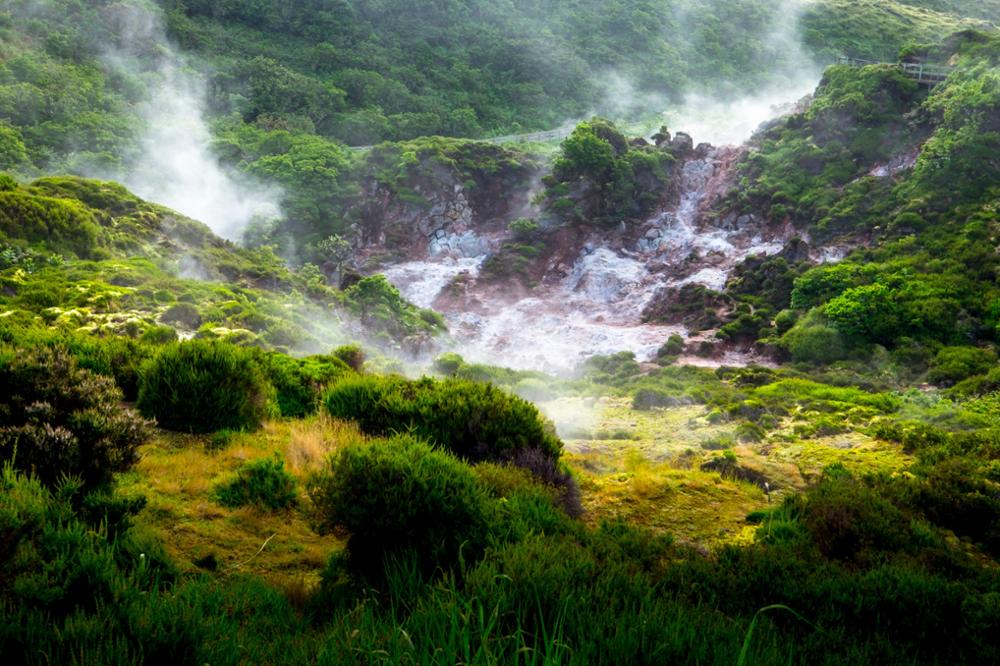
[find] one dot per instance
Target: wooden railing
(928, 74)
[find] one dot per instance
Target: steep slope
(878, 29)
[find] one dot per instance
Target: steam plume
(175, 165)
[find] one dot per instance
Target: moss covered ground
(180, 474)
(644, 467)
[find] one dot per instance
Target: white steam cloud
(727, 119)
(175, 166)
(731, 121)
(724, 122)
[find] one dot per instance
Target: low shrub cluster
(299, 382)
(262, 483)
(402, 497)
(202, 386)
(648, 398)
(58, 419)
(473, 420)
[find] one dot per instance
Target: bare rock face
(682, 144)
(440, 210)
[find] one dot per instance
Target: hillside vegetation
(209, 452)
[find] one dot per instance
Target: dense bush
(813, 341)
(203, 386)
(953, 364)
(352, 355)
(448, 364)
(263, 483)
(113, 356)
(600, 177)
(674, 346)
(648, 398)
(65, 226)
(57, 419)
(848, 520)
(383, 310)
(473, 420)
(402, 497)
(299, 382)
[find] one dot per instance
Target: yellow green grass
(179, 474)
(639, 467)
(650, 475)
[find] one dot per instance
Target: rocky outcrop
(443, 205)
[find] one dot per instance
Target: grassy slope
(877, 29)
(650, 474)
(648, 477)
(179, 474)
(88, 255)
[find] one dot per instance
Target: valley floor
(641, 467)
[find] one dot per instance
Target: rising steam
(175, 165)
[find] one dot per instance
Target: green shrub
(299, 382)
(748, 431)
(7, 183)
(612, 369)
(718, 443)
(113, 356)
(849, 520)
(202, 386)
(185, 314)
(52, 561)
(784, 321)
(978, 385)
(474, 421)
(534, 389)
(263, 483)
(448, 364)
(63, 225)
(57, 419)
(400, 497)
(653, 398)
(811, 341)
(523, 228)
(158, 335)
(674, 346)
(219, 440)
(352, 355)
(953, 364)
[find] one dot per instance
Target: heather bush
(202, 386)
(649, 398)
(263, 483)
(550, 472)
(57, 419)
(848, 520)
(352, 356)
(448, 364)
(401, 496)
(475, 421)
(674, 346)
(954, 364)
(113, 356)
(299, 382)
(812, 341)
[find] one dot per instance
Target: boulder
(682, 143)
